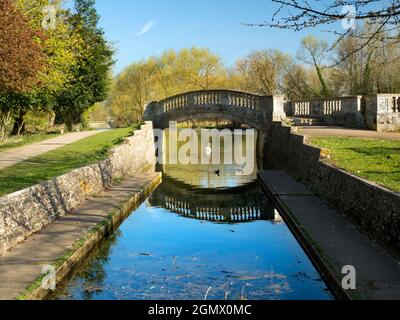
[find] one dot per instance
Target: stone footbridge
(247, 108)
(378, 112)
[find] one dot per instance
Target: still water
(205, 233)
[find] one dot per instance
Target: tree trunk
(19, 124)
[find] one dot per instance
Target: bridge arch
(254, 110)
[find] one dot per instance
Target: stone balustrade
(325, 107)
(211, 97)
(254, 110)
(334, 111)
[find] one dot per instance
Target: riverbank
(376, 160)
(26, 166)
(68, 240)
(333, 242)
(371, 207)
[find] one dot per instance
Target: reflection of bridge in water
(241, 204)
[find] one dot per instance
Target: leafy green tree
(91, 75)
(61, 46)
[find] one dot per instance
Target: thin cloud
(146, 28)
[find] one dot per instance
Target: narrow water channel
(205, 233)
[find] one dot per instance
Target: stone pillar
(190, 100)
(383, 112)
(360, 119)
(273, 108)
(278, 107)
(289, 108)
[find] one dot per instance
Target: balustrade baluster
(398, 104)
(394, 106)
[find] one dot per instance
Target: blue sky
(142, 28)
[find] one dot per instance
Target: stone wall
(28, 211)
(374, 209)
(383, 112)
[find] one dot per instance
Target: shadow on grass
(375, 151)
(380, 172)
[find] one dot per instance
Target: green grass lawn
(60, 161)
(14, 142)
(375, 160)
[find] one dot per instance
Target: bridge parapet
(379, 112)
(334, 111)
(253, 109)
(324, 107)
(213, 97)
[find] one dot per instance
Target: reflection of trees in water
(92, 273)
(209, 175)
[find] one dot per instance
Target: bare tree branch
(298, 15)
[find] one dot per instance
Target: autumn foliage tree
(54, 62)
(21, 59)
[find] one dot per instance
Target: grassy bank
(60, 161)
(15, 142)
(374, 160)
